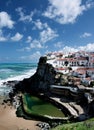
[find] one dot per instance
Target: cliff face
(46, 73)
(40, 81)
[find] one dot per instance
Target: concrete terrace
(74, 109)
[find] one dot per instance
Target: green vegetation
(85, 125)
(35, 106)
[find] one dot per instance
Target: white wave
(18, 77)
(4, 90)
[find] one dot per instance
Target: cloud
(47, 35)
(68, 49)
(2, 38)
(5, 20)
(58, 44)
(23, 17)
(35, 44)
(66, 11)
(29, 39)
(17, 37)
(39, 25)
(89, 4)
(35, 56)
(84, 35)
(89, 48)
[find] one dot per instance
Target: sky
(32, 28)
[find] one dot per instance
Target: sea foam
(19, 77)
(6, 89)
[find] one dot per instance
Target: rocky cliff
(40, 81)
(44, 77)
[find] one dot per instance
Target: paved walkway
(73, 108)
(77, 107)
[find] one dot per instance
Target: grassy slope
(85, 125)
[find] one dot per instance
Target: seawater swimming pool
(38, 107)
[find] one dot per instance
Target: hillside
(85, 125)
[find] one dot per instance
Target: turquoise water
(9, 70)
(15, 71)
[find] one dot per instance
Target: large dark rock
(42, 60)
(40, 81)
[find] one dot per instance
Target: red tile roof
(61, 68)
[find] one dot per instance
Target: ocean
(14, 71)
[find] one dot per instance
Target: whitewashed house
(82, 61)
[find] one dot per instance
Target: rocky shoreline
(76, 104)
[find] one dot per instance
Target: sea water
(14, 71)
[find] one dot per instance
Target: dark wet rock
(44, 126)
(39, 82)
(11, 83)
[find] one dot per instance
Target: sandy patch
(9, 121)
